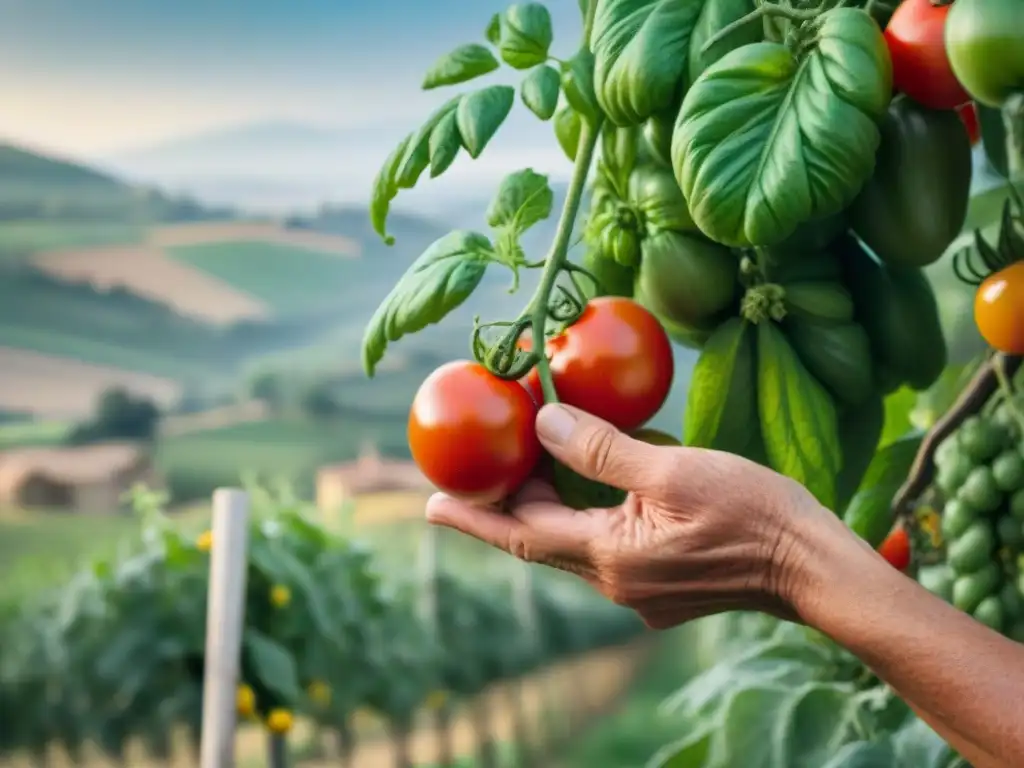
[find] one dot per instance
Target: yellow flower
(204, 543)
(931, 524)
(435, 700)
(245, 701)
(280, 721)
(320, 693)
(280, 596)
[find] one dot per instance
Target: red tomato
(896, 549)
(472, 434)
(920, 67)
(999, 309)
(969, 116)
(614, 362)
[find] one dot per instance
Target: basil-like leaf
(798, 418)
(525, 35)
(493, 31)
(272, 665)
(460, 65)
(440, 280)
(481, 113)
(568, 127)
(766, 140)
(641, 50)
(523, 199)
(578, 84)
(403, 168)
(445, 143)
(540, 91)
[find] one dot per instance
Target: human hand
(700, 532)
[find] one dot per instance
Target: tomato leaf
(766, 140)
(918, 746)
(493, 30)
(817, 720)
(460, 65)
(863, 754)
(440, 280)
(578, 85)
(692, 751)
(860, 429)
(540, 90)
(403, 168)
(708, 399)
(748, 723)
(523, 199)
(480, 114)
(641, 54)
(444, 144)
(568, 126)
(869, 513)
(798, 417)
(272, 664)
(525, 35)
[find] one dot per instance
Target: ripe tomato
(472, 434)
(614, 362)
(920, 66)
(969, 117)
(896, 549)
(999, 309)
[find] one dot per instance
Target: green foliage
(119, 415)
(118, 654)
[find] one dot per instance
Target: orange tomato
(896, 549)
(999, 309)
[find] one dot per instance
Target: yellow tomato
(280, 596)
(245, 701)
(280, 721)
(204, 542)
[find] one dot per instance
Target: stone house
(89, 479)
(338, 484)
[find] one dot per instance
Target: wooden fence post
(224, 621)
(526, 610)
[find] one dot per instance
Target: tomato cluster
(472, 433)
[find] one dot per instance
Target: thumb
(596, 449)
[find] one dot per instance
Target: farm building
(337, 484)
(89, 479)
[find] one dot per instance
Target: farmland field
(288, 449)
(289, 279)
(31, 433)
(146, 271)
(64, 387)
(21, 239)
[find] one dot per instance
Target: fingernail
(555, 424)
(435, 507)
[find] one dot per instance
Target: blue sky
(91, 77)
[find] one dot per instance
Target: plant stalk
(553, 264)
(1013, 119)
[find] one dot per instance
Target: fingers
(597, 450)
(538, 528)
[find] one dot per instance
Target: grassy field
(288, 279)
(198, 462)
(27, 434)
(20, 239)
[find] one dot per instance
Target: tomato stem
(1013, 119)
(999, 367)
(793, 14)
(556, 258)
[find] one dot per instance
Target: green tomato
(1008, 471)
(972, 550)
(980, 492)
(1017, 505)
(956, 518)
(985, 46)
(990, 613)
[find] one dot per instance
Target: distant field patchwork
(61, 388)
(148, 272)
(289, 279)
(21, 239)
(264, 232)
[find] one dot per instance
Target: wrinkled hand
(700, 532)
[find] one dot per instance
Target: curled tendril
(564, 307)
(974, 263)
(503, 357)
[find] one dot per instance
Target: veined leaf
(540, 90)
(481, 113)
(525, 35)
(460, 65)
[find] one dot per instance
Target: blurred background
(186, 268)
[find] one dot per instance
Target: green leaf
(918, 746)
(766, 140)
(578, 85)
(440, 280)
(273, 665)
(708, 400)
(568, 126)
(641, 52)
(493, 31)
(523, 199)
(403, 168)
(863, 754)
(814, 723)
(693, 751)
(869, 513)
(481, 113)
(444, 145)
(898, 408)
(460, 65)
(798, 417)
(747, 725)
(860, 429)
(540, 91)
(525, 35)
